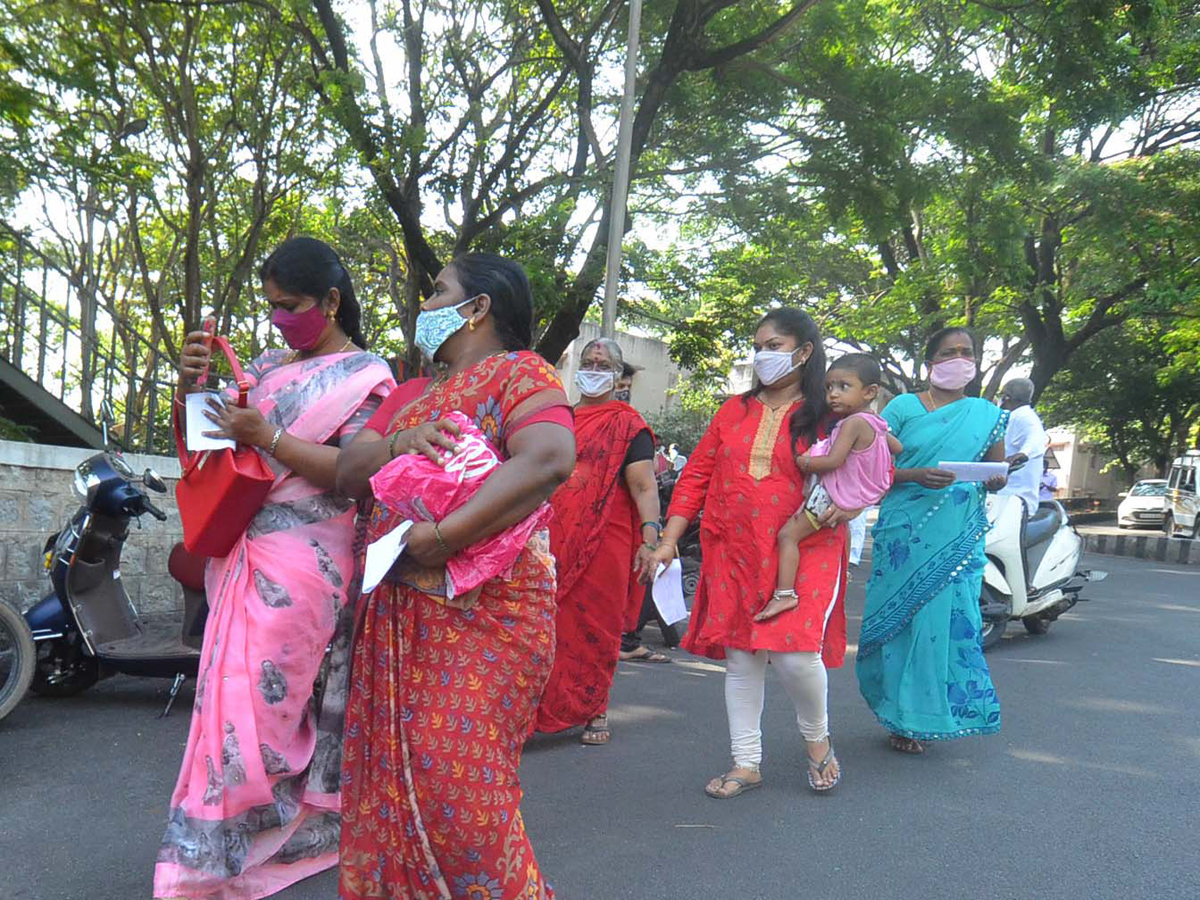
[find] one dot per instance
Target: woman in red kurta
(744, 476)
(604, 530)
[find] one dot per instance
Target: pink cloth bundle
(414, 487)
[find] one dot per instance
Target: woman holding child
(744, 476)
(920, 666)
(444, 690)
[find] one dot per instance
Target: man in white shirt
(1025, 436)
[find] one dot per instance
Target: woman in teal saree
(920, 665)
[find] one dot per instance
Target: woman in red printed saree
(443, 692)
(744, 476)
(604, 530)
(255, 808)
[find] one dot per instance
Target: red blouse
(743, 475)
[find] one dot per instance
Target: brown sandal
(902, 744)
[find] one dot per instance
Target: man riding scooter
(1025, 437)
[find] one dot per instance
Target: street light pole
(620, 190)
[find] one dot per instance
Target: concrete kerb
(1160, 548)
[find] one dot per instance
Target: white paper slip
(668, 592)
(975, 471)
(382, 555)
(197, 423)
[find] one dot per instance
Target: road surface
(1091, 791)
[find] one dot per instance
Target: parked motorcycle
(17, 655)
(87, 628)
(1032, 570)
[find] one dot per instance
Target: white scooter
(1032, 571)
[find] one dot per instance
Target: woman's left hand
(997, 483)
(835, 516)
(643, 564)
(244, 425)
(424, 546)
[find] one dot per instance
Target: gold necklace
(445, 375)
(295, 354)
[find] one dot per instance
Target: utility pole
(620, 190)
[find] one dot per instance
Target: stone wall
(37, 499)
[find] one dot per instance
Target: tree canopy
(1028, 170)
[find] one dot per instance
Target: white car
(1143, 504)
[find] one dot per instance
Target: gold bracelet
(437, 533)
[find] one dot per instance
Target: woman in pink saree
(256, 807)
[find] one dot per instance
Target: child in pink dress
(854, 464)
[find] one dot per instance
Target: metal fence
(78, 350)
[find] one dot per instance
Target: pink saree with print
(256, 806)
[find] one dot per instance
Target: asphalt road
(1091, 790)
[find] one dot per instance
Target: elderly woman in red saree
(744, 476)
(444, 690)
(255, 808)
(604, 531)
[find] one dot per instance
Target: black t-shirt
(641, 449)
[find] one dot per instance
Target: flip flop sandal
(815, 768)
(742, 786)
(902, 744)
(650, 657)
(592, 730)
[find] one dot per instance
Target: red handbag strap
(187, 463)
(238, 376)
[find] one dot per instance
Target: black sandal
(595, 732)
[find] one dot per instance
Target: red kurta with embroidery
(744, 476)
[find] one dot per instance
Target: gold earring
(470, 324)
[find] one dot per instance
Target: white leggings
(804, 678)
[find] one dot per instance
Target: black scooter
(87, 628)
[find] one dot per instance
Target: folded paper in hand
(198, 423)
(382, 555)
(974, 471)
(668, 592)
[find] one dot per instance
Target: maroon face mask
(300, 330)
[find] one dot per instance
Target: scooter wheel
(993, 625)
(1037, 624)
(18, 657)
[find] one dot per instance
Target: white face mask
(772, 365)
(592, 383)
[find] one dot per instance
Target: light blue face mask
(434, 327)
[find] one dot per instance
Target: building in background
(1082, 470)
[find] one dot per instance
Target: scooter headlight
(85, 479)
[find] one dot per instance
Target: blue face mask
(434, 327)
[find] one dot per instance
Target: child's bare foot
(780, 602)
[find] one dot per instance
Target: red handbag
(220, 491)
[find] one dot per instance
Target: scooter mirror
(106, 413)
(154, 481)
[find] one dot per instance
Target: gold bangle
(437, 533)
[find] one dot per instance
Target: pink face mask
(300, 330)
(952, 374)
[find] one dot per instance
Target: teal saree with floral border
(920, 664)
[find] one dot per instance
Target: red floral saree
(441, 698)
